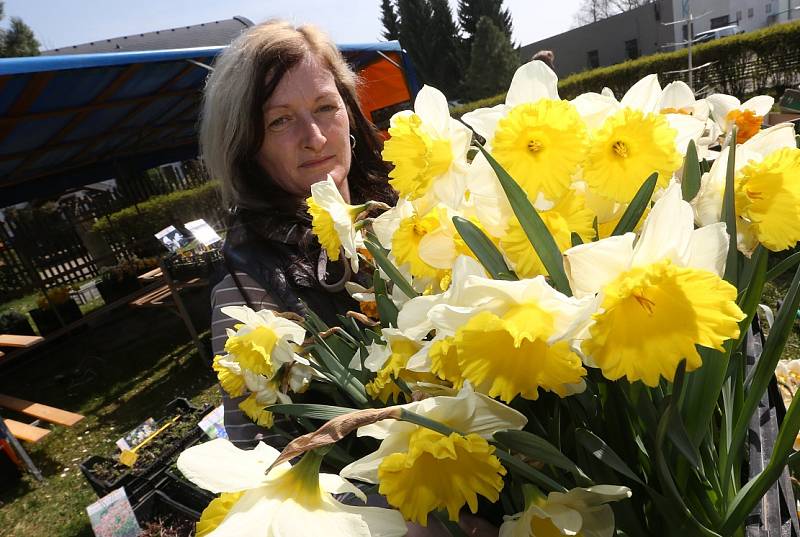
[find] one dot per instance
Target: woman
(281, 113)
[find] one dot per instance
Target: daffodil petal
(219, 466)
(760, 104)
(708, 248)
(484, 120)
(644, 95)
(531, 82)
(592, 265)
(667, 230)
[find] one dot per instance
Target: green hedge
(140, 222)
(761, 61)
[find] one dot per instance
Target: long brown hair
(232, 124)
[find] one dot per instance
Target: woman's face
(307, 131)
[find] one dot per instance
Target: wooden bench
(29, 431)
(162, 296)
(40, 411)
(25, 431)
(13, 340)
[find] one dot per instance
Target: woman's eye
(279, 123)
(328, 108)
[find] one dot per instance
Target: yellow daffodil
(539, 139)
(569, 215)
(390, 364)
(631, 138)
(626, 150)
(428, 149)
(333, 221)
(421, 470)
(767, 187)
(263, 342)
(678, 98)
(464, 466)
(229, 374)
(516, 339)
(747, 116)
(658, 299)
(289, 500)
(580, 512)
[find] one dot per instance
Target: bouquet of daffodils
(556, 334)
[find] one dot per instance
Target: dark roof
(198, 35)
(67, 121)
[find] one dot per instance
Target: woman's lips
(316, 162)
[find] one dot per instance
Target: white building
(646, 30)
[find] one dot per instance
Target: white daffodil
(414, 319)
(288, 500)
(333, 221)
(390, 363)
(581, 511)
(768, 216)
(539, 139)
(264, 341)
(657, 299)
(514, 338)
(631, 139)
(420, 470)
(466, 412)
(428, 149)
(677, 98)
(747, 116)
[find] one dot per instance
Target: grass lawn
(117, 375)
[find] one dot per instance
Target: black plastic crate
(142, 480)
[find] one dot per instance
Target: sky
(59, 23)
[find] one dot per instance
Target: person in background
(546, 56)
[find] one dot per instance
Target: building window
(738, 16)
(768, 7)
(685, 29)
(749, 12)
(593, 59)
(719, 22)
(632, 49)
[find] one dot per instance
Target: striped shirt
(241, 430)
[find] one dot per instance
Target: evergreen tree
(447, 64)
(389, 19)
(471, 11)
(493, 61)
(18, 40)
(415, 19)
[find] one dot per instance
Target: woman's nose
(313, 137)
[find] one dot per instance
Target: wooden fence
(46, 245)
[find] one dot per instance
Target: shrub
(761, 61)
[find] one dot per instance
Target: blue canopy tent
(68, 121)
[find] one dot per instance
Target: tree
(18, 40)
(471, 11)
(591, 11)
(493, 61)
(389, 19)
(447, 64)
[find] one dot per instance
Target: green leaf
(539, 449)
(675, 428)
(339, 374)
(765, 368)
(388, 267)
(317, 412)
(752, 294)
(745, 501)
(387, 310)
(483, 248)
(783, 266)
(540, 237)
(690, 183)
(575, 239)
(729, 213)
(637, 206)
(602, 452)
